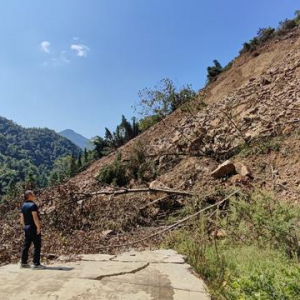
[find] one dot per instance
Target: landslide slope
(252, 117)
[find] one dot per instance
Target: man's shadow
(59, 269)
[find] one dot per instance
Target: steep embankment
(252, 117)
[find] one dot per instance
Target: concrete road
(155, 275)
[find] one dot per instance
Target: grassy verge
(247, 251)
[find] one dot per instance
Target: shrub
(214, 71)
(149, 121)
(114, 174)
(297, 17)
(261, 146)
(138, 166)
(256, 256)
(265, 34)
(163, 99)
(285, 26)
(228, 66)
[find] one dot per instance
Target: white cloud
(45, 45)
(80, 49)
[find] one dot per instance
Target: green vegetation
(137, 167)
(261, 146)
(265, 34)
(27, 156)
(164, 98)
(248, 250)
(114, 174)
(148, 121)
(124, 133)
(214, 71)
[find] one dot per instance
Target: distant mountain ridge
(77, 139)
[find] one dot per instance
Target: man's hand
(36, 222)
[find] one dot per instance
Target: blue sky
(79, 64)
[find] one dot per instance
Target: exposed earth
(155, 275)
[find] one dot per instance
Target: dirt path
(155, 275)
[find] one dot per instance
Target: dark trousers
(31, 237)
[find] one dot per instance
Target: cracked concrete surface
(155, 275)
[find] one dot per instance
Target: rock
(107, 233)
(265, 81)
(236, 179)
(156, 184)
(244, 171)
(221, 233)
(176, 138)
(226, 168)
(51, 256)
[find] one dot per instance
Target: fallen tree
(171, 227)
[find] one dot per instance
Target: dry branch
(141, 190)
(173, 225)
(155, 201)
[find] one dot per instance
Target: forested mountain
(28, 154)
(77, 139)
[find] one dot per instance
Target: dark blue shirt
(27, 209)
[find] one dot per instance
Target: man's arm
(36, 221)
(22, 220)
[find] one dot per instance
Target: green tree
(11, 188)
(297, 16)
(214, 71)
(73, 166)
(265, 34)
(86, 156)
(100, 146)
(135, 127)
(163, 99)
(127, 130)
(31, 181)
(54, 178)
(148, 121)
(79, 161)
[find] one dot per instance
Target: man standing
(32, 228)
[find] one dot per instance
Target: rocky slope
(252, 117)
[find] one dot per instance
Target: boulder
(244, 171)
(107, 233)
(156, 184)
(226, 168)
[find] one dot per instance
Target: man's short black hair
(27, 194)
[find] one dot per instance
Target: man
(32, 228)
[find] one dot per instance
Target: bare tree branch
(173, 225)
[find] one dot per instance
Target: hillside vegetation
(28, 155)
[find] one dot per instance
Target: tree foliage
(214, 71)
(265, 34)
(29, 155)
(124, 132)
(163, 99)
